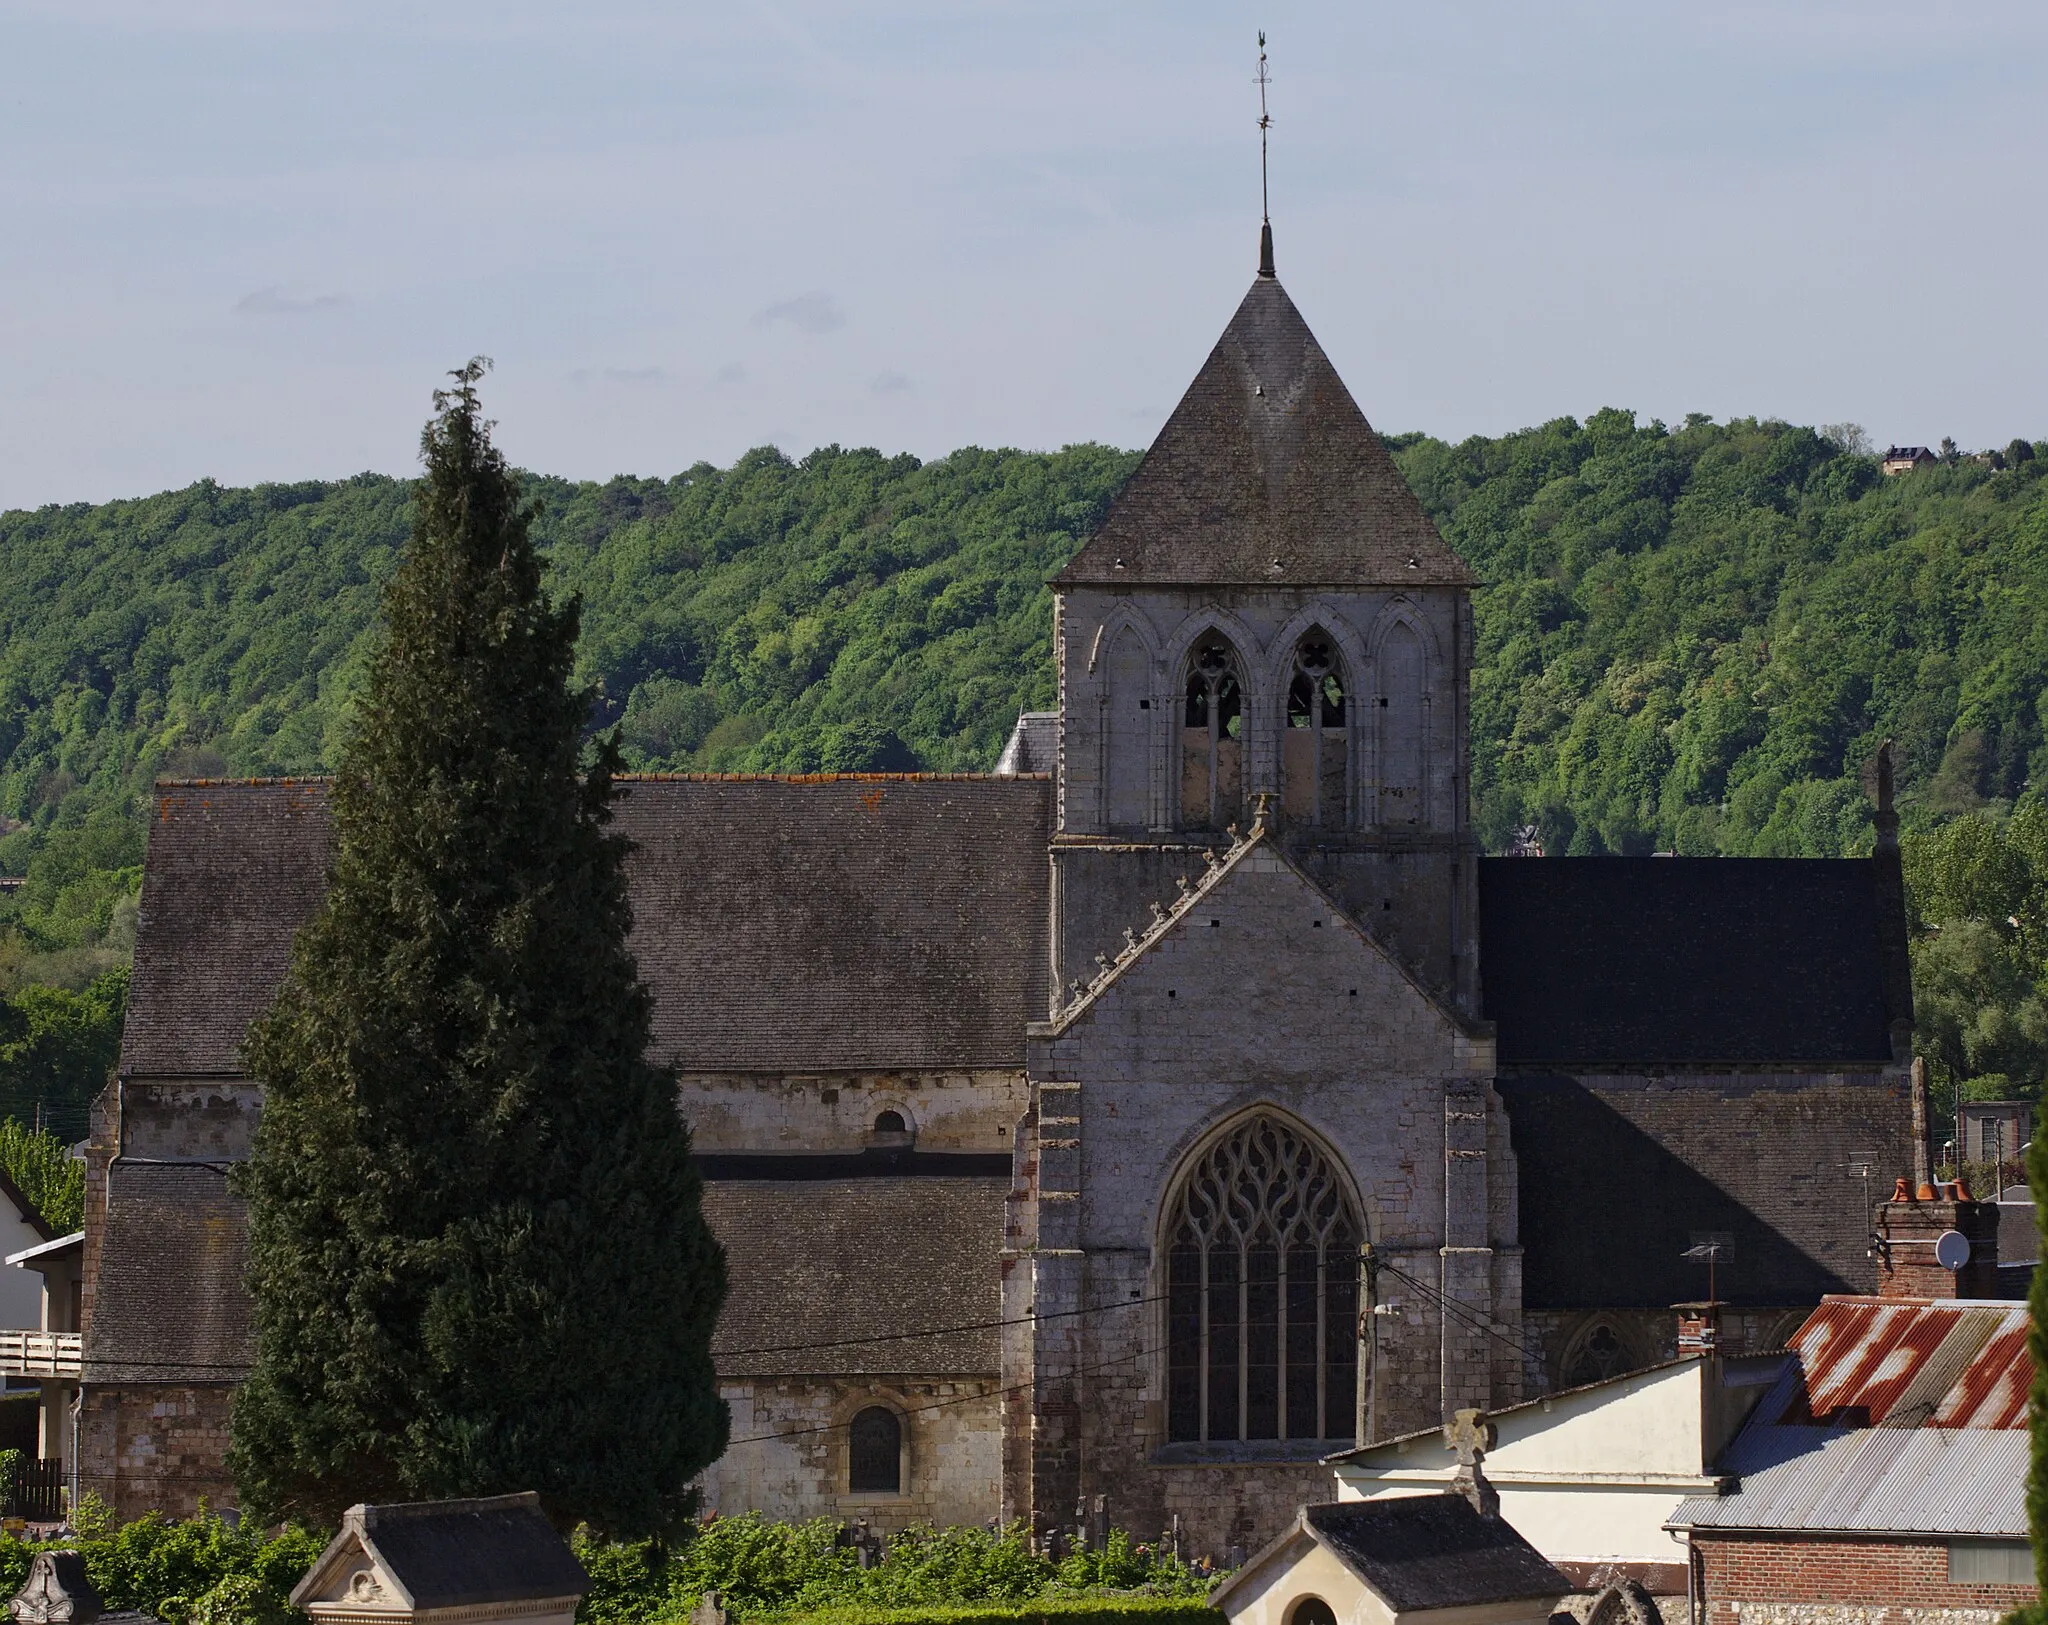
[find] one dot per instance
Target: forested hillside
(1691, 639)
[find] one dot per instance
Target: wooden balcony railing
(40, 1354)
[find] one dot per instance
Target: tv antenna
(1262, 80)
(1710, 1251)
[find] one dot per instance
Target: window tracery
(1315, 747)
(1597, 1354)
(1212, 738)
(1262, 1292)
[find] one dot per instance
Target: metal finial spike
(1265, 200)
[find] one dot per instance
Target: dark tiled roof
(232, 871)
(459, 1554)
(783, 924)
(1434, 1551)
(1641, 961)
(1033, 745)
(1267, 458)
(835, 1261)
(171, 1305)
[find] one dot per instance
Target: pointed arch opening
(1262, 1291)
(1315, 746)
(1212, 735)
(1403, 707)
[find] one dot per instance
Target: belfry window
(1212, 738)
(874, 1453)
(1314, 749)
(1262, 1292)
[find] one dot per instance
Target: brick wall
(151, 1449)
(1823, 1580)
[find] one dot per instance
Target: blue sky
(244, 239)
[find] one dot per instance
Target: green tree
(57, 1050)
(44, 1170)
(476, 1249)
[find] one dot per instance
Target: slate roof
(1033, 745)
(1434, 1551)
(841, 1260)
(1636, 961)
(457, 1554)
(1267, 474)
(170, 1305)
(832, 922)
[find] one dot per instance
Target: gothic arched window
(1597, 1354)
(1212, 737)
(1262, 1292)
(1314, 750)
(874, 1453)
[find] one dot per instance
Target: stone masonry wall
(156, 1449)
(1259, 996)
(788, 1456)
(1818, 1580)
(973, 1111)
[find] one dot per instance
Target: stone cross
(1470, 1434)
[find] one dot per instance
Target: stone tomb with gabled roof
(1043, 1113)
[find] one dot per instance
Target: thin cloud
(807, 313)
(635, 375)
(275, 301)
(889, 383)
(731, 373)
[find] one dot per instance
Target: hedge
(1050, 1610)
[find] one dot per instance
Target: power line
(1470, 1317)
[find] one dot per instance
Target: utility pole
(1368, 1344)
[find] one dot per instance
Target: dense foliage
(765, 1570)
(197, 1572)
(44, 1170)
(57, 1045)
(1692, 638)
(475, 1244)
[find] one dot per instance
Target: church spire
(1265, 202)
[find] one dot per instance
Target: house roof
(47, 1252)
(1267, 474)
(1033, 745)
(171, 1305)
(1895, 1416)
(1420, 1552)
(830, 922)
(31, 1215)
(452, 1554)
(868, 1259)
(1635, 961)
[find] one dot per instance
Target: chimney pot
(1900, 1193)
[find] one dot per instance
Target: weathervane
(1265, 202)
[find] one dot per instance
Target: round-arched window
(874, 1452)
(890, 1123)
(1311, 1611)
(1262, 1292)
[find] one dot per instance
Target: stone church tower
(1265, 1050)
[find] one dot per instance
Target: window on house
(874, 1453)
(1314, 747)
(1990, 1563)
(1262, 1292)
(1212, 738)
(1311, 1611)
(891, 1123)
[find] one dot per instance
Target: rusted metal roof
(1898, 1416)
(1913, 1363)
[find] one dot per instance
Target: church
(1113, 1136)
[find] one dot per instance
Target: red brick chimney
(1908, 1232)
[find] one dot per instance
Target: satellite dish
(1951, 1249)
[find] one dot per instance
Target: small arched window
(1315, 749)
(874, 1453)
(1212, 737)
(890, 1123)
(1262, 1292)
(1311, 1611)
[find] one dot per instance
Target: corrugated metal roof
(1898, 1416)
(1915, 1363)
(1937, 1481)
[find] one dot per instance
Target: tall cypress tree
(476, 1246)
